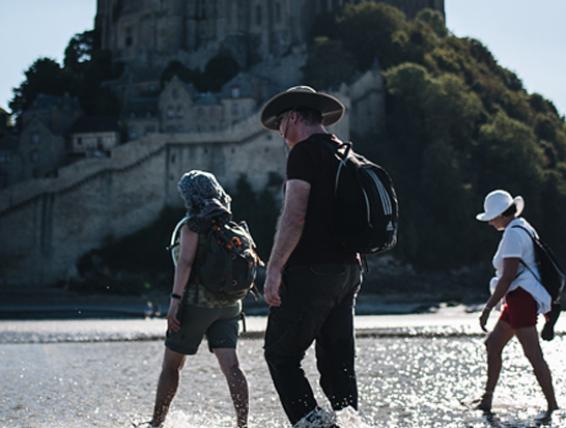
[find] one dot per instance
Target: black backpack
(365, 204)
(226, 261)
(552, 276)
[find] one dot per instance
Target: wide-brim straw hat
(297, 97)
(497, 202)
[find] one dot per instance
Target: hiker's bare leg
(237, 383)
(167, 387)
(528, 337)
(495, 342)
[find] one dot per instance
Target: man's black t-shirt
(311, 161)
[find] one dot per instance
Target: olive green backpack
(226, 261)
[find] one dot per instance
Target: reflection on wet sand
(405, 381)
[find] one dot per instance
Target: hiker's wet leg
(495, 342)
(237, 383)
(528, 337)
(167, 386)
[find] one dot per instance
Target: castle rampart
(47, 224)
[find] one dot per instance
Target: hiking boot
(547, 332)
(317, 418)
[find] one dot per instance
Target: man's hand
(173, 323)
(272, 287)
(484, 317)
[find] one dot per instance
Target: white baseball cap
(497, 202)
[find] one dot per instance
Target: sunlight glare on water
(405, 382)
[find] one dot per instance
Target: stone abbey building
(151, 32)
(56, 213)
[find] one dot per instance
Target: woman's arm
(510, 268)
(187, 254)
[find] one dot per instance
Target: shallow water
(404, 381)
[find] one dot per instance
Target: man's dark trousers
(317, 304)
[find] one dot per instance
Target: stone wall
(47, 224)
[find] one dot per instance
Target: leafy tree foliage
(258, 210)
(43, 76)
(331, 56)
(84, 69)
(458, 125)
(219, 70)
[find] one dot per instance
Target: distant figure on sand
(311, 281)
(522, 294)
(194, 311)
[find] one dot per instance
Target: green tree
(366, 29)
(259, 210)
(43, 76)
(328, 64)
(219, 70)
(434, 20)
(79, 51)
(510, 158)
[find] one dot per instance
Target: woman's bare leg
(528, 337)
(495, 342)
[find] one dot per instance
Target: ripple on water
(404, 382)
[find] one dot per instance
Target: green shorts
(220, 325)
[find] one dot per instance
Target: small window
(79, 141)
(175, 94)
(35, 138)
(236, 92)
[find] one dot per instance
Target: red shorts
(520, 309)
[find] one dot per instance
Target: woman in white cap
(522, 294)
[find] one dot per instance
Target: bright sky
(527, 36)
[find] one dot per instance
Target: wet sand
(99, 374)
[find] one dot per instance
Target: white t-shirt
(517, 243)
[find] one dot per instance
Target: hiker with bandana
(194, 311)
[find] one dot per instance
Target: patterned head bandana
(205, 200)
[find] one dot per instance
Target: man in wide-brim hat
(311, 281)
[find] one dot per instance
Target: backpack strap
(199, 259)
(533, 239)
(340, 156)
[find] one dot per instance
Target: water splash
(180, 419)
(323, 418)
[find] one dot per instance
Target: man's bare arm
(289, 231)
(291, 222)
